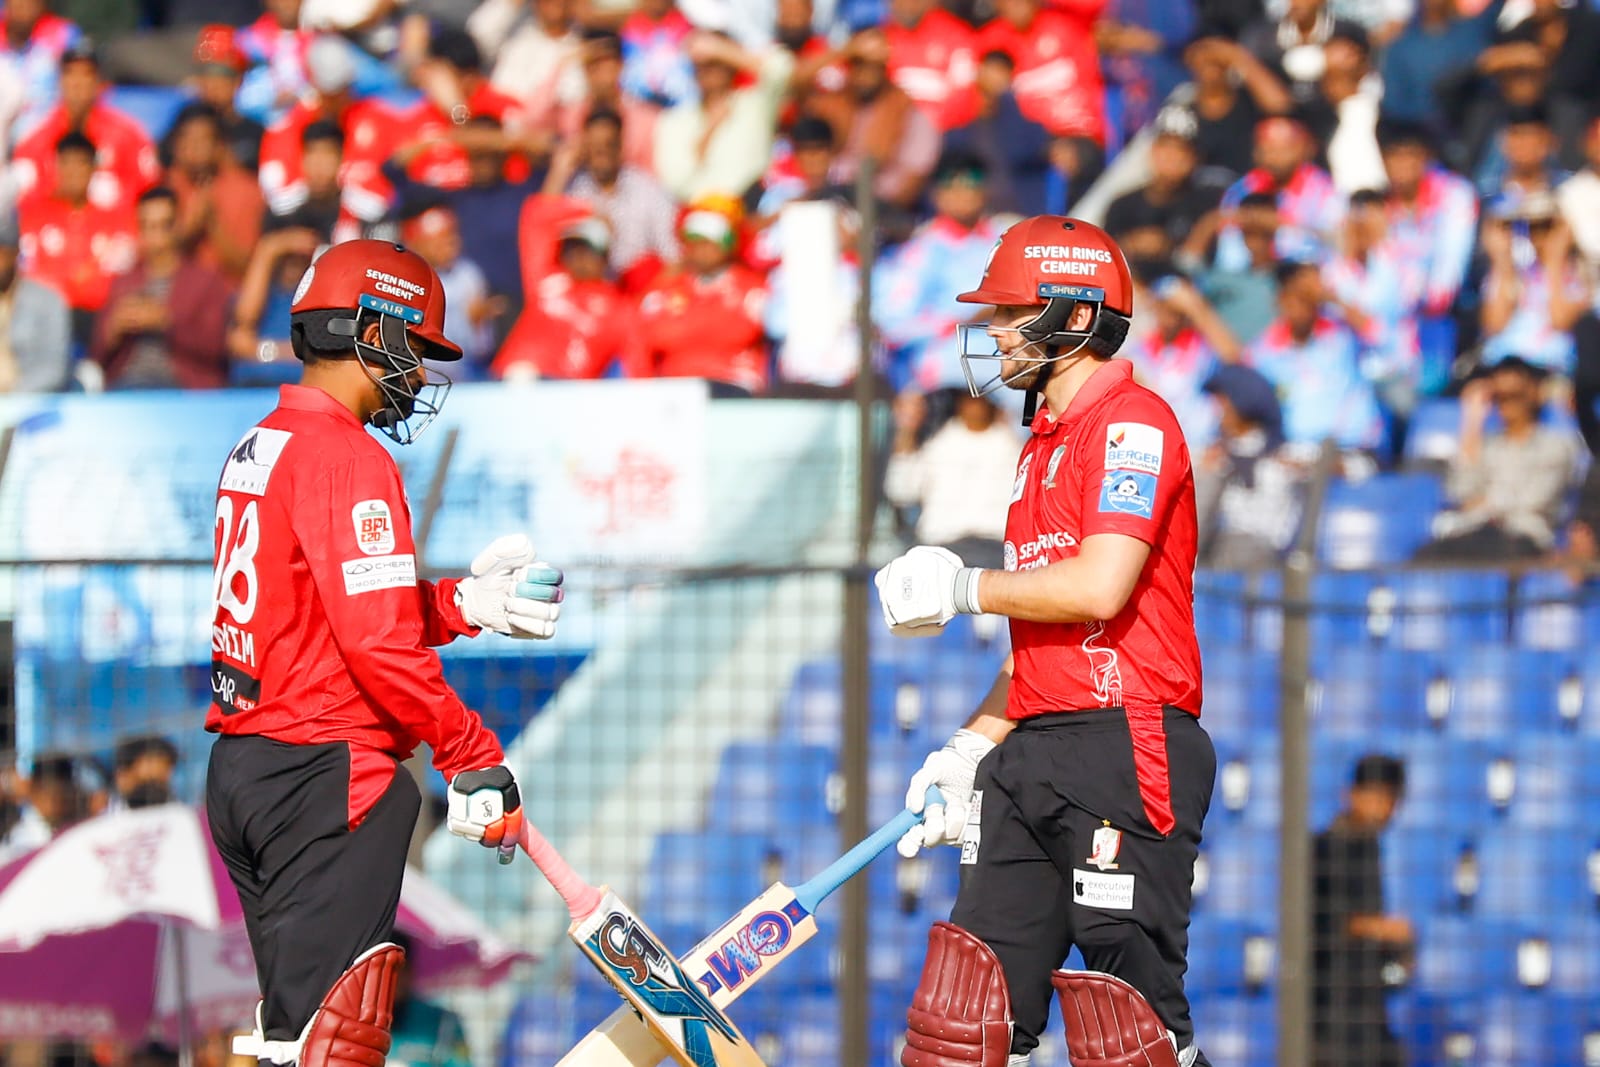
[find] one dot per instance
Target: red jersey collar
(1111, 374)
(310, 398)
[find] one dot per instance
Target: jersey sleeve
(1134, 467)
(356, 537)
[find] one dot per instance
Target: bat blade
(725, 964)
(677, 1016)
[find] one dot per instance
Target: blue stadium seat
(1219, 611)
(1574, 953)
(699, 879)
(1377, 522)
(804, 1034)
(1441, 611)
(1557, 782)
(1241, 693)
(1237, 875)
(1554, 614)
(541, 1029)
(1264, 611)
(1534, 1030)
(1248, 786)
(1435, 427)
(1361, 692)
(1420, 868)
(812, 712)
(1438, 1030)
(1446, 782)
(1217, 955)
(768, 784)
(1237, 1031)
(1529, 872)
(1461, 955)
(153, 107)
(1340, 612)
(1498, 690)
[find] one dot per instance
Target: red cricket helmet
(1053, 263)
(354, 285)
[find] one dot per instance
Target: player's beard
(1020, 373)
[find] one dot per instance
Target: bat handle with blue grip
(815, 890)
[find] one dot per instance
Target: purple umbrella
(127, 926)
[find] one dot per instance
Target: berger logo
(636, 959)
(743, 954)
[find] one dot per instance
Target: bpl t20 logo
(743, 954)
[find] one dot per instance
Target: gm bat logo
(743, 954)
(661, 985)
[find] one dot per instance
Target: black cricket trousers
(315, 893)
(1066, 855)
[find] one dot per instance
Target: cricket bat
(677, 1018)
(741, 952)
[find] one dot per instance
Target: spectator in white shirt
(960, 476)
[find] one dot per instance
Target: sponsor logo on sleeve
(374, 527)
(383, 572)
(1102, 891)
(1126, 492)
(1133, 446)
(250, 463)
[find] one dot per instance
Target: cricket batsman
(323, 675)
(1078, 789)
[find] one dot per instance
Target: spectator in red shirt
(164, 323)
(219, 204)
(368, 128)
(455, 89)
(69, 242)
(705, 319)
(602, 72)
(126, 164)
(326, 204)
(1057, 78)
(932, 59)
(579, 322)
(877, 120)
(219, 70)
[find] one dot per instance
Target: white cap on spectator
(336, 14)
(330, 65)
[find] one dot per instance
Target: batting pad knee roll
(961, 1012)
(1109, 1024)
(351, 1028)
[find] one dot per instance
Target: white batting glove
(486, 806)
(510, 591)
(952, 769)
(924, 589)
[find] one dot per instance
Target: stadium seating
(1555, 614)
(1377, 522)
(766, 785)
(1241, 693)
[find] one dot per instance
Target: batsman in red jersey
(1078, 790)
(323, 675)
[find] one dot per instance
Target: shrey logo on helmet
(1053, 263)
(358, 284)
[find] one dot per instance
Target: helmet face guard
(1046, 334)
(392, 364)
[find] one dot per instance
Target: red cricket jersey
(76, 249)
(322, 630)
(1115, 463)
(370, 131)
(1057, 81)
(444, 165)
(573, 329)
(693, 327)
(934, 64)
(125, 162)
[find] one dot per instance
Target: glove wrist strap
(966, 592)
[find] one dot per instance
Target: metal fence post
(1294, 845)
(854, 1002)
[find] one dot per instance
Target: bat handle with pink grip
(581, 897)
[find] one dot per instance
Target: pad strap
(961, 1012)
(1109, 1024)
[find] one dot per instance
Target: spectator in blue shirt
(1313, 362)
(1015, 151)
(1439, 44)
